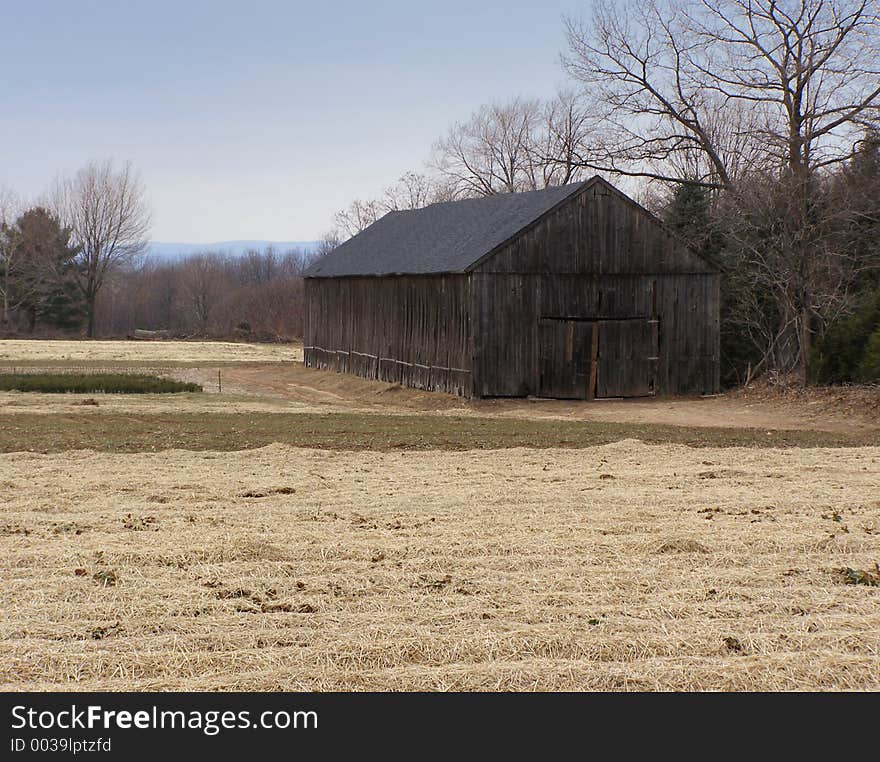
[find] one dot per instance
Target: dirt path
(321, 390)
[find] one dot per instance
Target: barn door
(566, 351)
(628, 352)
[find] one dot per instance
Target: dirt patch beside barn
(841, 409)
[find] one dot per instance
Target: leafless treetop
(715, 86)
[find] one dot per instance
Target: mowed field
(305, 531)
(23, 353)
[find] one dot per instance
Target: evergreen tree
(46, 286)
(850, 350)
(861, 196)
(689, 214)
(688, 211)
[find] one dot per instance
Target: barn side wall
(411, 330)
(511, 306)
(599, 256)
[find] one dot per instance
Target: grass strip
(114, 432)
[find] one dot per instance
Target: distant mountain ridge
(164, 250)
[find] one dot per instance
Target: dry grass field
(23, 352)
(297, 544)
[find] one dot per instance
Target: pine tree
(689, 214)
(861, 183)
(47, 287)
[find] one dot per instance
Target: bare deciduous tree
(201, 282)
(107, 212)
(412, 191)
(492, 152)
(10, 206)
(517, 146)
(732, 94)
(357, 216)
(258, 296)
(565, 127)
(789, 79)
(328, 242)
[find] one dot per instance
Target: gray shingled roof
(441, 238)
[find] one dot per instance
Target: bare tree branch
(108, 215)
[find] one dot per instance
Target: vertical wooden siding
(602, 257)
(411, 330)
(598, 231)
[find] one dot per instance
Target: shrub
(88, 383)
(850, 349)
(869, 367)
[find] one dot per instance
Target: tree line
(75, 262)
(256, 297)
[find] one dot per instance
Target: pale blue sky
(258, 119)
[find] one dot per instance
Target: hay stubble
(623, 566)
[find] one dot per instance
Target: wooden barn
(571, 292)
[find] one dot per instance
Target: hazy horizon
(172, 249)
(260, 125)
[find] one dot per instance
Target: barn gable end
(597, 259)
(597, 229)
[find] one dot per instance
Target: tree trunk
(90, 312)
(5, 316)
(806, 344)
